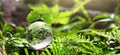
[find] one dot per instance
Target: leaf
(85, 12)
(43, 9)
(33, 16)
(105, 20)
(43, 53)
(81, 19)
(66, 14)
(7, 28)
(47, 17)
(26, 51)
(117, 18)
(55, 9)
(62, 20)
(40, 8)
(101, 16)
(47, 51)
(63, 17)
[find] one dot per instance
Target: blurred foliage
(72, 38)
(48, 15)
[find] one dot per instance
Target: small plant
(87, 36)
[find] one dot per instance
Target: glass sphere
(39, 35)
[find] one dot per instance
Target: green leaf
(63, 17)
(40, 8)
(55, 9)
(43, 53)
(47, 51)
(32, 53)
(47, 17)
(7, 28)
(43, 9)
(62, 20)
(26, 51)
(15, 53)
(81, 19)
(117, 18)
(33, 16)
(101, 16)
(37, 53)
(66, 14)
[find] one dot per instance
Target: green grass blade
(43, 53)
(32, 53)
(26, 51)
(47, 51)
(37, 53)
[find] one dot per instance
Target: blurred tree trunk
(14, 12)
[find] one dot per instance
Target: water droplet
(39, 35)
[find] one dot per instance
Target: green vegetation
(70, 38)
